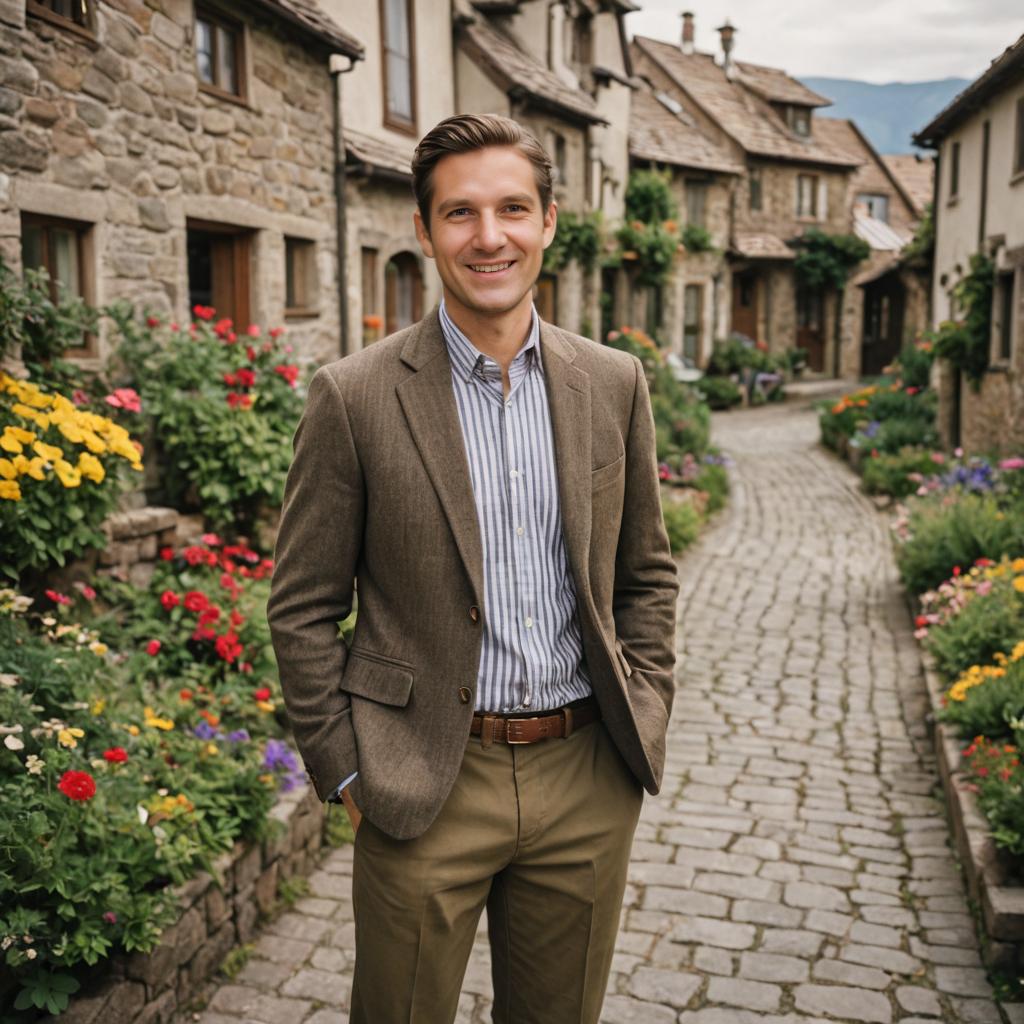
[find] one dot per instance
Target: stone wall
(217, 914)
(117, 134)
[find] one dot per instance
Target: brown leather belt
(517, 730)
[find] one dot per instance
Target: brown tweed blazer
(379, 491)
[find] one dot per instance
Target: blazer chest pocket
(607, 474)
(378, 678)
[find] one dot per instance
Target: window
(559, 151)
(693, 320)
(61, 248)
(545, 297)
(877, 205)
(799, 119)
(219, 53)
(219, 272)
(399, 95)
(372, 321)
(403, 291)
(954, 171)
(696, 202)
(654, 314)
(1004, 298)
(756, 187)
(807, 195)
(79, 15)
(300, 285)
(1018, 149)
(582, 41)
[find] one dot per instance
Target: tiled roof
(306, 16)
(756, 246)
(917, 173)
(774, 85)
(378, 153)
(1005, 69)
(658, 134)
(517, 71)
(879, 235)
(742, 115)
(874, 271)
(840, 135)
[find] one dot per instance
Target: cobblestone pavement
(796, 867)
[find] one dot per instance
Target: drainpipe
(341, 229)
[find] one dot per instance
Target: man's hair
(464, 133)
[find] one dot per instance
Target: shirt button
(465, 693)
(519, 531)
(514, 473)
(474, 613)
(526, 701)
(529, 623)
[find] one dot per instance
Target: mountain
(887, 114)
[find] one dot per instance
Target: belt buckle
(511, 725)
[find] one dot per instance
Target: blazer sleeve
(646, 582)
(318, 549)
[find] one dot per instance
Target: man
(491, 482)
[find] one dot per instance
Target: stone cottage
(174, 153)
(794, 180)
(979, 208)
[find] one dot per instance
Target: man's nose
(490, 235)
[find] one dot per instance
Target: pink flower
(110, 917)
(57, 597)
(276, 332)
(211, 539)
(153, 648)
(983, 588)
(79, 397)
(1015, 463)
(253, 330)
(125, 398)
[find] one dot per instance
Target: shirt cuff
(335, 797)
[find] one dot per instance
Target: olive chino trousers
(539, 834)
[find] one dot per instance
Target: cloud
(874, 40)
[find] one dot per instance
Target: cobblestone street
(796, 866)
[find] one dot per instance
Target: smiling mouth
(490, 268)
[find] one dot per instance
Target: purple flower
(279, 757)
(205, 731)
(239, 736)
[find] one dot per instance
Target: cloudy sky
(873, 40)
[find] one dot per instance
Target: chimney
(727, 33)
(686, 44)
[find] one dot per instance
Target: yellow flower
(212, 749)
(20, 434)
(97, 706)
(154, 722)
(133, 730)
(35, 468)
(98, 648)
(1017, 565)
(1018, 584)
(91, 468)
(69, 476)
(8, 470)
(47, 451)
(9, 490)
(69, 737)
(265, 705)
(72, 431)
(10, 444)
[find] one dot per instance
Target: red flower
(228, 647)
(246, 377)
(231, 338)
(115, 755)
(196, 601)
(167, 554)
(276, 332)
(230, 379)
(981, 771)
(222, 327)
(194, 555)
(984, 562)
(57, 597)
(246, 667)
(920, 621)
(956, 570)
(208, 615)
(152, 321)
(235, 400)
(236, 618)
(77, 785)
(250, 353)
(262, 694)
(87, 592)
(912, 390)
(204, 312)
(153, 648)
(288, 371)
(203, 633)
(184, 695)
(169, 599)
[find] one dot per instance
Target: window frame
(85, 248)
(305, 282)
(1018, 147)
(697, 188)
(87, 32)
(1003, 325)
(695, 329)
(954, 170)
(369, 292)
(812, 213)
(799, 120)
(212, 15)
(392, 120)
(755, 177)
(865, 198)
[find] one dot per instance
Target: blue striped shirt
(532, 654)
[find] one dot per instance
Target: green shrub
(682, 523)
(941, 536)
(224, 409)
(904, 432)
(696, 238)
(898, 474)
(734, 355)
(986, 699)
(914, 364)
(720, 392)
(713, 479)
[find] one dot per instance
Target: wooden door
(810, 326)
(882, 335)
(403, 292)
(744, 304)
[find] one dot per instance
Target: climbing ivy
(965, 342)
(577, 238)
(650, 235)
(826, 261)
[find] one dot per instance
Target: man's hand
(354, 815)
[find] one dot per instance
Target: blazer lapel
(568, 390)
(428, 402)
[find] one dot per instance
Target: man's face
(487, 230)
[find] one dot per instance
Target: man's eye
(459, 211)
(515, 207)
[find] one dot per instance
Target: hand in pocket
(351, 810)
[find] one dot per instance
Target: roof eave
(336, 42)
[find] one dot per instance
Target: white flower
(7, 730)
(31, 954)
(143, 813)
(8, 679)
(7, 942)
(34, 764)
(13, 743)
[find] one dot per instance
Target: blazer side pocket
(605, 475)
(377, 678)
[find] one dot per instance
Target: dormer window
(799, 119)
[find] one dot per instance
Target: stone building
(979, 208)
(691, 311)
(886, 300)
(794, 180)
(563, 71)
(172, 153)
(403, 86)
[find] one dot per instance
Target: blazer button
(474, 613)
(465, 693)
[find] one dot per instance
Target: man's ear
(550, 223)
(422, 235)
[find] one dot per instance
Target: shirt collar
(466, 357)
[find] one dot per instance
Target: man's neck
(499, 336)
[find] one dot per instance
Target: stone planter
(988, 871)
(217, 914)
